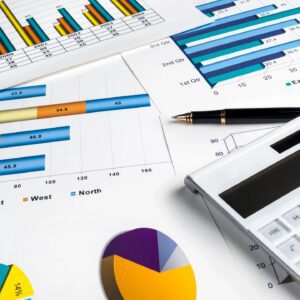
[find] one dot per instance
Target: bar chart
(211, 7)
(115, 130)
(32, 32)
(244, 43)
(23, 92)
(74, 108)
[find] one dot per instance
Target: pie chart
(14, 284)
(145, 264)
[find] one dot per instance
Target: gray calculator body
(258, 187)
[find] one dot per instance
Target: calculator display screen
(265, 187)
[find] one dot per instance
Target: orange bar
(129, 6)
(60, 110)
(32, 34)
(2, 49)
(94, 12)
(65, 25)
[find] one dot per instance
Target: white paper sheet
(233, 63)
(27, 58)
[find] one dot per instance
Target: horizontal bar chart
(211, 7)
(261, 20)
(183, 38)
(34, 137)
(22, 165)
(74, 108)
(23, 92)
(241, 36)
(240, 43)
(250, 56)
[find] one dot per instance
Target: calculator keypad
(284, 234)
(291, 248)
(274, 231)
(293, 217)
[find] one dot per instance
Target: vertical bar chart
(6, 44)
(67, 23)
(235, 45)
(38, 30)
(137, 5)
(16, 24)
(125, 7)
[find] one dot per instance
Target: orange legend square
(25, 199)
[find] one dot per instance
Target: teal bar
(261, 20)
(136, 5)
(70, 19)
(6, 42)
(101, 10)
(237, 73)
(209, 14)
(38, 30)
(199, 59)
(4, 270)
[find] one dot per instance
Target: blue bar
(208, 12)
(245, 64)
(206, 30)
(223, 21)
(6, 42)
(249, 56)
(214, 4)
(240, 42)
(240, 36)
(35, 137)
(70, 19)
(22, 165)
(38, 30)
(239, 16)
(23, 92)
(101, 10)
(116, 103)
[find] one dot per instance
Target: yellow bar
(91, 18)
(60, 30)
(16, 24)
(121, 7)
(16, 115)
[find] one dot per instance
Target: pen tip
(174, 117)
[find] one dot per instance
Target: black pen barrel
(246, 116)
(261, 115)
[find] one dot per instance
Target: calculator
(258, 187)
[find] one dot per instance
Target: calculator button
(293, 217)
(291, 248)
(274, 231)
